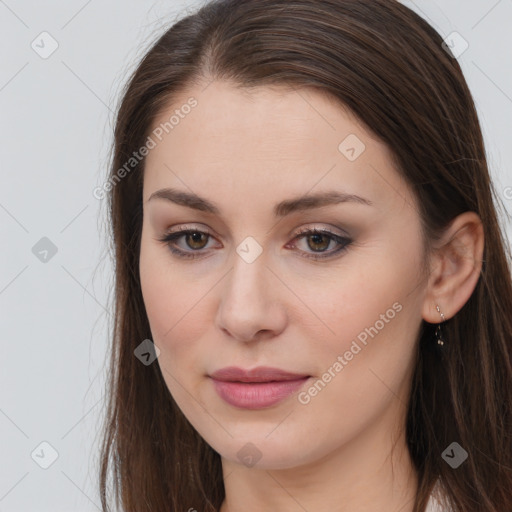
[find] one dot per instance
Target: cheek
(174, 314)
(175, 327)
(175, 308)
(371, 320)
(363, 370)
(353, 302)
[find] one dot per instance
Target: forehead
(262, 118)
(282, 140)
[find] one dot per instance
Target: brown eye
(193, 239)
(320, 242)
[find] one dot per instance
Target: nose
(251, 306)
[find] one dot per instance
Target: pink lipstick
(256, 388)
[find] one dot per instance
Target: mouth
(258, 388)
(255, 375)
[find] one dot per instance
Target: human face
(348, 320)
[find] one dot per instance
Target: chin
(265, 455)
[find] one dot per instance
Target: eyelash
(172, 237)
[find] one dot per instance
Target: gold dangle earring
(438, 333)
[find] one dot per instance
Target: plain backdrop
(56, 123)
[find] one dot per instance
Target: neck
(373, 473)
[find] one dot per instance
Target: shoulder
(437, 501)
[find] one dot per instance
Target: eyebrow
(301, 203)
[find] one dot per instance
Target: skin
(245, 152)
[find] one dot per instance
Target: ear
(455, 267)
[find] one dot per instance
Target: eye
(197, 240)
(194, 238)
(321, 239)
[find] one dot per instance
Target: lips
(257, 388)
(259, 374)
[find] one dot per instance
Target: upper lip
(258, 374)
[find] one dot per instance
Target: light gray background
(56, 124)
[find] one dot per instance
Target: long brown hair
(389, 66)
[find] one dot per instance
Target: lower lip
(253, 395)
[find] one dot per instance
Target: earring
(438, 333)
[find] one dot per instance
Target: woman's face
(247, 291)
